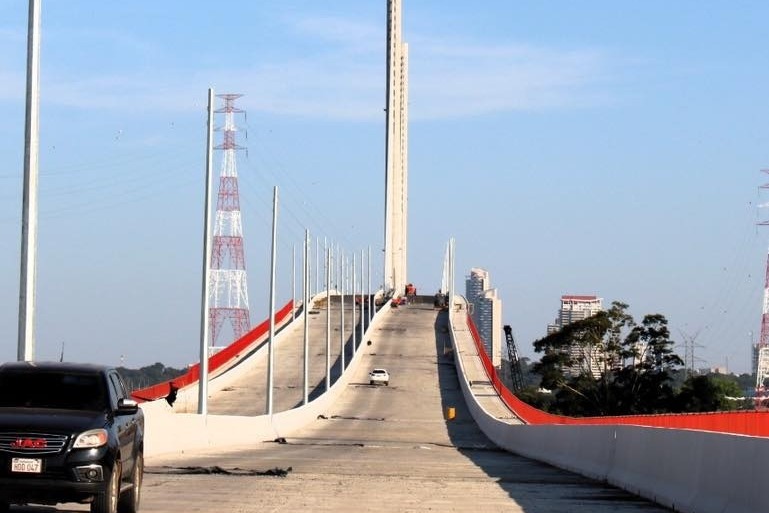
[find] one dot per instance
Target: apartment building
(486, 311)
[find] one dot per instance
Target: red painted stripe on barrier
(215, 362)
(752, 423)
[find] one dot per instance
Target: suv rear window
(52, 390)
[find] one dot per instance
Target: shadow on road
(566, 491)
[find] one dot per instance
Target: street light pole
(273, 262)
(28, 274)
(306, 311)
(204, 303)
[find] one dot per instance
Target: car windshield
(52, 390)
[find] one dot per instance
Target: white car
(379, 376)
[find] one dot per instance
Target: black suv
(69, 433)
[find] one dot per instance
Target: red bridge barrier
(753, 423)
(215, 362)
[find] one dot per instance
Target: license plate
(30, 465)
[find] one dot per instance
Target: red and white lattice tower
(761, 350)
(227, 276)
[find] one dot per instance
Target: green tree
(709, 392)
(580, 359)
(608, 365)
(746, 381)
(643, 385)
(533, 396)
(148, 375)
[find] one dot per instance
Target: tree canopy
(608, 364)
(148, 375)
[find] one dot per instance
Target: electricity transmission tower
(227, 276)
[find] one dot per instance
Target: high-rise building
(575, 308)
(486, 312)
(476, 283)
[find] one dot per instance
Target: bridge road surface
(383, 449)
(378, 449)
(247, 395)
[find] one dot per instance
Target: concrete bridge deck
(380, 448)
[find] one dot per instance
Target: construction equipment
(516, 375)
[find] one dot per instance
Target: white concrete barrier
(689, 471)
(167, 432)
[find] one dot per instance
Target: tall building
(486, 312)
(478, 281)
(575, 308)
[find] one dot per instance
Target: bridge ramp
(384, 448)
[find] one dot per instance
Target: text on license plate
(33, 465)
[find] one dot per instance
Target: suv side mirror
(127, 406)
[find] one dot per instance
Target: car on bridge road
(379, 376)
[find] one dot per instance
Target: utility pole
(204, 318)
(306, 316)
(273, 266)
(328, 318)
(28, 274)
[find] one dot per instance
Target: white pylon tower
(396, 155)
(227, 276)
(761, 350)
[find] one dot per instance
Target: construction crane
(515, 364)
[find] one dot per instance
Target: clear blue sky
(607, 148)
